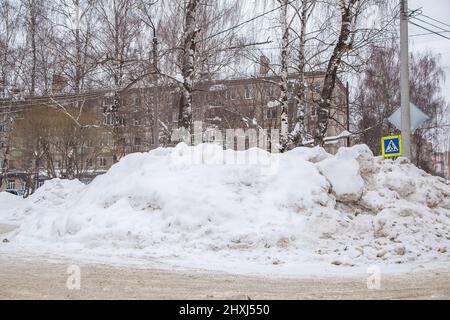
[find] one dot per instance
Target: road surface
(38, 279)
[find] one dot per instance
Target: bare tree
(284, 73)
(9, 31)
(379, 96)
(10, 13)
(349, 15)
(303, 11)
(32, 25)
(189, 44)
(119, 28)
(353, 37)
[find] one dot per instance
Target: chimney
(58, 83)
(264, 65)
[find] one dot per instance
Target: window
(11, 184)
(137, 141)
(107, 139)
(231, 95)
(108, 101)
(2, 127)
(249, 94)
(175, 116)
(137, 101)
(271, 113)
(271, 92)
(215, 100)
(109, 119)
(102, 162)
(210, 136)
(122, 142)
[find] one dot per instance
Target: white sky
(440, 10)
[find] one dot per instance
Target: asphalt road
(38, 279)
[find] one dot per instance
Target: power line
(434, 32)
(427, 34)
(418, 12)
(435, 20)
(431, 24)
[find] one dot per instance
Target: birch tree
(9, 32)
(349, 13)
(32, 20)
(303, 11)
(120, 28)
(284, 73)
(187, 67)
(353, 37)
(203, 49)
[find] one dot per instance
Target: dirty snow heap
(238, 211)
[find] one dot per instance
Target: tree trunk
(343, 45)
(33, 30)
(78, 62)
(189, 46)
(284, 76)
(299, 132)
(155, 66)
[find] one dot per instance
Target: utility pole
(404, 80)
(155, 67)
(347, 98)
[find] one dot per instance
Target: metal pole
(404, 80)
(155, 132)
(348, 113)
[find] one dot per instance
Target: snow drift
(9, 208)
(193, 207)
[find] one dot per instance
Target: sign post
(404, 79)
(391, 146)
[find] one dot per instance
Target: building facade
(441, 164)
(139, 120)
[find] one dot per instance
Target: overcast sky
(439, 10)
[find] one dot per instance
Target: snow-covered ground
(304, 212)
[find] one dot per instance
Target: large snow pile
(199, 206)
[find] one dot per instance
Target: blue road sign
(391, 146)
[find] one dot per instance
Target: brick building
(441, 164)
(140, 119)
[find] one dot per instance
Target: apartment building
(441, 164)
(140, 119)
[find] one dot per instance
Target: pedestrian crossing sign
(391, 146)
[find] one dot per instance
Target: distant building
(441, 164)
(141, 119)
